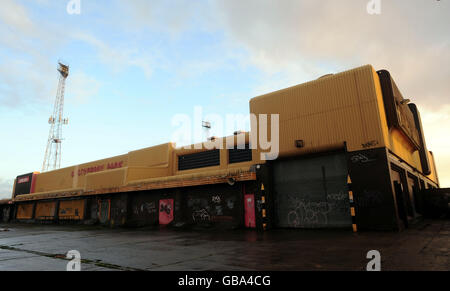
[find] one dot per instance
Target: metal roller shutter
(312, 192)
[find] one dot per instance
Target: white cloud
(5, 188)
(173, 17)
(436, 124)
(27, 74)
(291, 41)
(118, 58)
(15, 15)
(22, 81)
(306, 38)
(296, 41)
(81, 87)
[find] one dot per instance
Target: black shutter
(199, 160)
(240, 155)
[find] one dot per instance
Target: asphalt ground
(425, 246)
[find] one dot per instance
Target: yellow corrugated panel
(105, 180)
(24, 211)
(54, 180)
(395, 140)
(400, 145)
(197, 175)
(75, 177)
(83, 170)
(140, 173)
(326, 112)
(381, 108)
(150, 157)
(433, 176)
(72, 209)
(45, 210)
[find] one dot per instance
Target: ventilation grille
(240, 155)
(199, 160)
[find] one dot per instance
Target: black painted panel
(240, 155)
(23, 184)
(199, 160)
(312, 192)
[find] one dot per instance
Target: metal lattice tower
(52, 158)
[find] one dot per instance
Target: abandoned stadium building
(352, 154)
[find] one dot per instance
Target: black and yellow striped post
(263, 207)
(352, 204)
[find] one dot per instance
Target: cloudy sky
(136, 63)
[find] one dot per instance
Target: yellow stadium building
(351, 154)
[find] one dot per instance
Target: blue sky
(136, 63)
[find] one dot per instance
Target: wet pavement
(43, 247)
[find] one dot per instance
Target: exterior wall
(45, 210)
(75, 177)
(106, 180)
(221, 204)
(72, 209)
(372, 191)
(215, 205)
(159, 156)
(436, 202)
(326, 112)
(5, 212)
(25, 211)
(404, 139)
(136, 167)
(348, 111)
(144, 209)
(55, 180)
(312, 191)
(119, 210)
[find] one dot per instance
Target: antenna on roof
(206, 125)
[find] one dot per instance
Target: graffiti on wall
(211, 208)
(104, 210)
(230, 203)
(305, 212)
(165, 211)
(145, 208)
(216, 199)
(201, 215)
(361, 159)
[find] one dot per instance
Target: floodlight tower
(52, 158)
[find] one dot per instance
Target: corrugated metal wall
(312, 192)
(332, 110)
(45, 210)
(24, 211)
(72, 210)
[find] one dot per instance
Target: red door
(249, 201)
(165, 211)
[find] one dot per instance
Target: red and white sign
(23, 180)
(99, 168)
